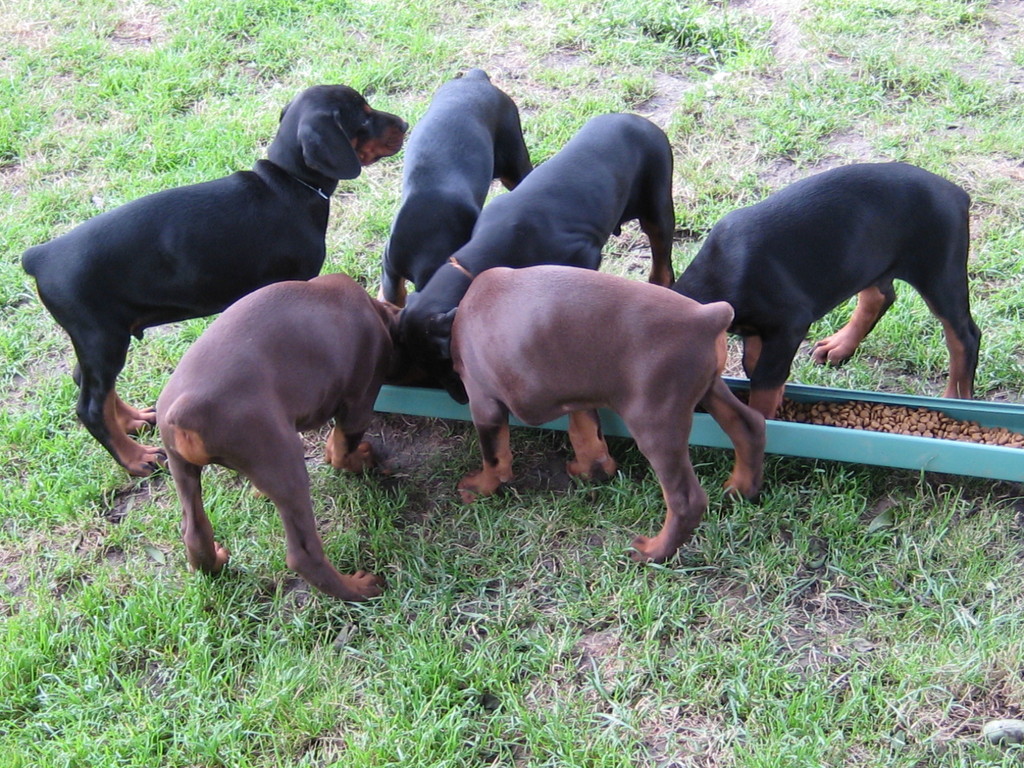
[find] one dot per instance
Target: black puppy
(616, 168)
(788, 260)
(470, 135)
(191, 251)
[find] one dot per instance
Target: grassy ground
(854, 617)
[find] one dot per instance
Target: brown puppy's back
(289, 353)
(547, 340)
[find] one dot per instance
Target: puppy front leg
(346, 451)
(490, 418)
(588, 443)
(872, 303)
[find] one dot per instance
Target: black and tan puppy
(788, 260)
(191, 251)
(469, 136)
(547, 341)
(617, 168)
(286, 358)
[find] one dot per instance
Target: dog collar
(455, 263)
(319, 191)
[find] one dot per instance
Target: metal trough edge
(806, 440)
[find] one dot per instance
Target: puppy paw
(745, 488)
(213, 566)
(648, 550)
(832, 351)
(643, 551)
(222, 555)
(600, 469)
(134, 420)
(361, 586)
(360, 459)
(145, 461)
(478, 484)
(356, 461)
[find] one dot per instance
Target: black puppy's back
(106, 262)
(827, 237)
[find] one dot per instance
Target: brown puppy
(549, 340)
(287, 358)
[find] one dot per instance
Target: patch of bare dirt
(1004, 39)
(668, 90)
(683, 738)
(141, 25)
(787, 39)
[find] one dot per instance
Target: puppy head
(331, 130)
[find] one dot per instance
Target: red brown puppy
(191, 251)
(788, 260)
(544, 341)
(286, 358)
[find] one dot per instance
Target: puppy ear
(326, 147)
(280, 117)
(441, 323)
(439, 330)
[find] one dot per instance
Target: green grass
(854, 617)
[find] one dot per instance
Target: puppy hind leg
(963, 341)
(873, 302)
(751, 354)
(590, 448)
(659, 230)
(278, 470)
(768, 377)
(392, 287)
(666, 446)
(101, 356)
(947, 298)
(745, 428)
(767, 401)
(204, 554)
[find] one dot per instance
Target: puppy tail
(719, 314)
(31, 258)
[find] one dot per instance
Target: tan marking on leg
(745, 428)
(766, 401)
(138, 460)
(401, 293)
(751, 353)
(721, 352)
(961, 380)
(336, 453)
(840, 346)
(491, 476)
(190, 446)
(592, 457)
(132, 420)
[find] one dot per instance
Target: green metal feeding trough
(809, 440)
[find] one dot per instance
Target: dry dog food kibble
(898, 420)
